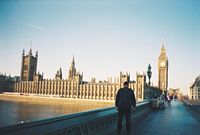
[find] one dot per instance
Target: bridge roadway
(176, 119)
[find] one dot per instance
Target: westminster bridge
(176, 119)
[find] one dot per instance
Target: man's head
(126, 84)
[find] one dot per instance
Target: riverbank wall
(53, 100)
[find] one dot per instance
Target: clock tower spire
(163, 69)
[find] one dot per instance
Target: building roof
(196, 82)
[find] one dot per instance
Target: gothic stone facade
(29, 66)
(81, 90)
(6, 83)
(74, 86)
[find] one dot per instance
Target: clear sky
(105, 36)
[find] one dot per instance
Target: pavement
(175, 119)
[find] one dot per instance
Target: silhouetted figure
(125, 101)
(155, 96)
(168, 100)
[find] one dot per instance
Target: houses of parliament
(74, 86)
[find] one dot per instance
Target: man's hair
(126, 83)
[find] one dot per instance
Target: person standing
(125, 102)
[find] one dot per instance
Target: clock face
(162, 64)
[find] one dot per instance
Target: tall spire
(60, 71)
(72, 70)
(73, 62)
(30, 52)
(163, 50)
(36, 54)
(23, 52)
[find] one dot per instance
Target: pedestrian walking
(168, 100)
(125, 102)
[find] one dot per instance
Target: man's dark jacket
(125, 98)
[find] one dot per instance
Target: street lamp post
(149, 74)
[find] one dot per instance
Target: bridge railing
(100, 121)
(193, 104)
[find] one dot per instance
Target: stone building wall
(73, 89)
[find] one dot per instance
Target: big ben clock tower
(163, 70)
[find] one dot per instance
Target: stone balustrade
(98, 122)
